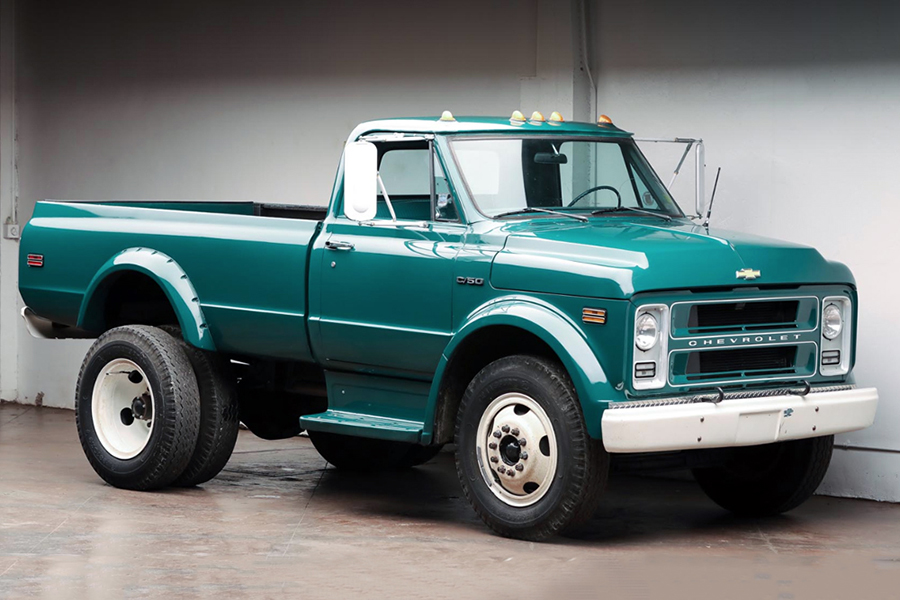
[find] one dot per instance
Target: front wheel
(759, 481)
(524, 457)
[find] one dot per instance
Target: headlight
(832, 321)
(646, 332)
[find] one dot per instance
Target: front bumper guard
(726, 420)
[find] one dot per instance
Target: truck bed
(246, 263)
(258, 209)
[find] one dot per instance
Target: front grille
(692, 319)
(714, 364)
(717, 340)
(706, 318)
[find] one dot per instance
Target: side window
(406, 174)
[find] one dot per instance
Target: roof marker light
(604, 120)
(517, 116)
(555, 116)
(446, 116)
(537, 116)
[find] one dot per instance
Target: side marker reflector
(594, 315)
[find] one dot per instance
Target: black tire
(759, 481)
(175, 407)
(219, 422)
(352, 453)
(419, 455)
(575, 491)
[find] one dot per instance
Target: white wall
(798, 103)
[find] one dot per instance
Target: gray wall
(243, 100)
(798, 102)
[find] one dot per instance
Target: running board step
(361, 425)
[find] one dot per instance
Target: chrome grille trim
(715, 397)
(727, 300)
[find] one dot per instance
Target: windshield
(512, 175)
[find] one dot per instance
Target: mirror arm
(700, 182)
(387, 198)
(687, 149)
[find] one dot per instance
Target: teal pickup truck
(525, 288)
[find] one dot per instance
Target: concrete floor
(277, 522)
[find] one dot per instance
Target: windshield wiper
(532, 209)
(613, 209)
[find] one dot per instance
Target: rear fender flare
(170, 277)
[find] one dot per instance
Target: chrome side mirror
(360, 181)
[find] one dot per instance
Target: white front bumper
(739, 422)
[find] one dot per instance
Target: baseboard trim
(860, 472)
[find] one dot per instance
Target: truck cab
(527, 288)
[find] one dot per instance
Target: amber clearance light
(594, 315)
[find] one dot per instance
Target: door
(387, 284)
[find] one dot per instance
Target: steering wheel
(597, 188)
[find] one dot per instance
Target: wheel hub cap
(122, 408)
(517, 449)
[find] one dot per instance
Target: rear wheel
(524, 457)
(219, 420)
(137, 408)
(768, 480)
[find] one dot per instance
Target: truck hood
(619, 257)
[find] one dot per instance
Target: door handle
(329, 245)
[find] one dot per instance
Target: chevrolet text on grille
(747, 339)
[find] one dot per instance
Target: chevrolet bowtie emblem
(747, 274)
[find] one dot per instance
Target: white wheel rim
(119, 391)
(517, 479)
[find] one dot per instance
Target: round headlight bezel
(832, 321)
(642, 340)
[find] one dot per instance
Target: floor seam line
(303, 515)
(44, 539)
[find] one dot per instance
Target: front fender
(170, 277)
(555, 329)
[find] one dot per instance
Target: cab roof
(468, 125)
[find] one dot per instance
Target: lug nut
(515, 431)
(501, 469)
(492, 445)
(511, 473)
(497, 434)
(522, 442)
(520, 467)
(494, 459)
(524, 456)
(505, 428)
